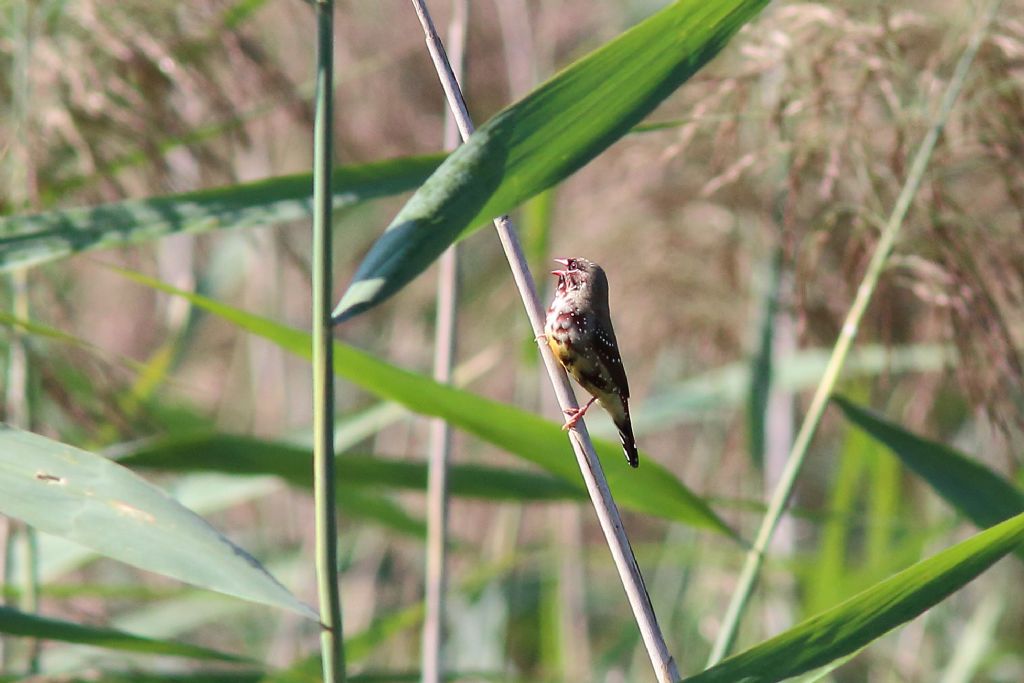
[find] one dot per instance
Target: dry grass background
(793, 142)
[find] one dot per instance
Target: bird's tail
(628, 440)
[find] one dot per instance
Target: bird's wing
(607, 349)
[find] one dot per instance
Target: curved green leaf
(16, 623)
(386, 512)
(36, 238)
(982, 495)
(652, 489)
(545, 137)
(203, 494)
(233, 454)
(137, 676)
(726, 387)
(97, 503)
(870, 614)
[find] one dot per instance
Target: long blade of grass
(545, 137)
(232, 454)
(384, 511)
(863, 618)
(97, 503)
(816, 409)
(305, 674)
(16, 623)
(37, 238)
(694, 398)
(165, 615)
(725, 388)
(983, 496)
(652, 489)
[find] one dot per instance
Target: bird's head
(579, 276)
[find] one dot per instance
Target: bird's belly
(559, 330)
(561, 347)
(570, 349)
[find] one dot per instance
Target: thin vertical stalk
(22, 191)
(440, 431)
(783, 490)
(590, 467)
(30, 581)
(16, 396)
(332, 649)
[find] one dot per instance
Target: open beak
(564, 262)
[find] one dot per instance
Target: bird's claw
(541, 338)
(574, 415)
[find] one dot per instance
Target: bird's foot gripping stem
(576, 414)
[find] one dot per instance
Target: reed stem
(440, 431)
(601, 497)
(326, 520)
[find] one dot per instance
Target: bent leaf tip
(360, 296)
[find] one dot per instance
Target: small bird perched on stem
(579, 331)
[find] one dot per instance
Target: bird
(579, 331)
